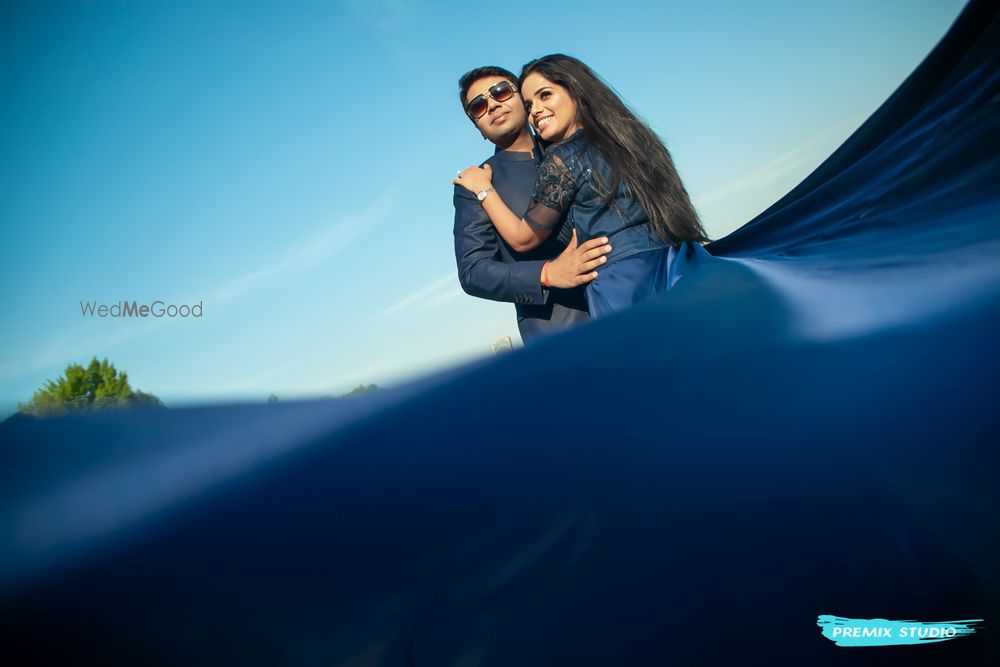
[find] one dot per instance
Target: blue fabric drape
(804, 424)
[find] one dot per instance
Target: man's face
(502, 119)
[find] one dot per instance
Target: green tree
(97, 387)
(360, 389)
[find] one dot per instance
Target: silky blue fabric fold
(643, 276)
(803, 425)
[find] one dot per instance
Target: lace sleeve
(556, 185)
(542, 217)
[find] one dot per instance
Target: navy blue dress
(571, 185)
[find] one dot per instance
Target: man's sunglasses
(501, 92)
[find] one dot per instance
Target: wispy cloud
(812, 149)
(255, 382)
(443, 297)
(433, 294)
(306, 253)
(384, 15)
(312, 251)
(65, 348)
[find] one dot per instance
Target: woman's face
(551, 111)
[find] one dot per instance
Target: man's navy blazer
(490, 269)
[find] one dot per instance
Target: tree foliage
(360, 389)
(97, 387)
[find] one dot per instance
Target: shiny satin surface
(803, 425)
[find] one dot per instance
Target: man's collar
(520, 156)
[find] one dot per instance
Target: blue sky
(289, 166)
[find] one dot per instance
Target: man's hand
(575, 266)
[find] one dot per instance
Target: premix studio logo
(882, 632)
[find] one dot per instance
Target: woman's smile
(551, 108)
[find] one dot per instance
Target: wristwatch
(482, 194)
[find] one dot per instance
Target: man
(545, 285)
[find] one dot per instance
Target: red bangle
(545, 274)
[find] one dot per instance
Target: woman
(607, 174)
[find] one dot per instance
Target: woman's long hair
(633, 151)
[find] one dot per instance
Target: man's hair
(472, 76)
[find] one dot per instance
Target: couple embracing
(582, 217)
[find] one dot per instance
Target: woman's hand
(475, 179)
